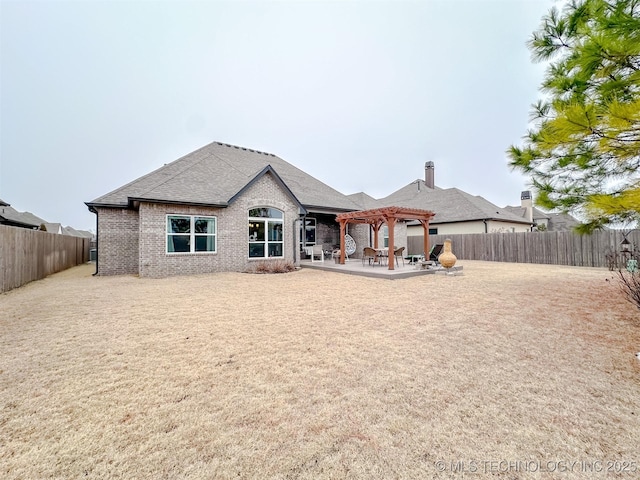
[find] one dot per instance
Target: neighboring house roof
(52, 227)
(10, 216)
(522, 212)
(76, 233)
(215, 174)
(561, 222)
(449, 204)
(556, 222)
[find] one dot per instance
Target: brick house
(220, 208)
(224, 207)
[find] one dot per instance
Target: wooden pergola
(379, 216)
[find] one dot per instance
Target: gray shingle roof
(213, 174)
(562, 222)
(521, 212)
(11, 216)
(364, 201)
(76, 233)
(449, 204)
(557, 222)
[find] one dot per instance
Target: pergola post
(425, 227)
(391, 223)
(376, 229)
(343, 228)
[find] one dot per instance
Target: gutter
(327, 210)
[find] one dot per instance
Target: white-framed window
(191, 234)
(266, 233)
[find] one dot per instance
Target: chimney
(429, 171)
(526, 202)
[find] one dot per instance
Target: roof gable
(269, 170)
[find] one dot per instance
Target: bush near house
(273, 266)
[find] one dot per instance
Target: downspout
(97, 241)
(296, 229)
(486, 227)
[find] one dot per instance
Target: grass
(319, 375)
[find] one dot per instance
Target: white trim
(192, 234)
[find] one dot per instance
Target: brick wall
(118, 241)
(232, 233)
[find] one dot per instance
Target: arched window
(266, 236)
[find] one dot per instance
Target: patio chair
(435, 252)
(370, 254)
(398, 253)
(317, 252)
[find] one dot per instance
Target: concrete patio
(355, 267)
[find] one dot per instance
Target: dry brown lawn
(511, 370)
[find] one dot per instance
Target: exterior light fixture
(625, 245)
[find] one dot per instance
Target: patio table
(383, 253)
(413, 259)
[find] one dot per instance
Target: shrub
(273, 266)
(628, 278)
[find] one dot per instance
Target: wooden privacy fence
(27, 255)
(556, 248)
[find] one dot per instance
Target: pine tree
(583, 150)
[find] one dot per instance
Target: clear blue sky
(359, 93)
